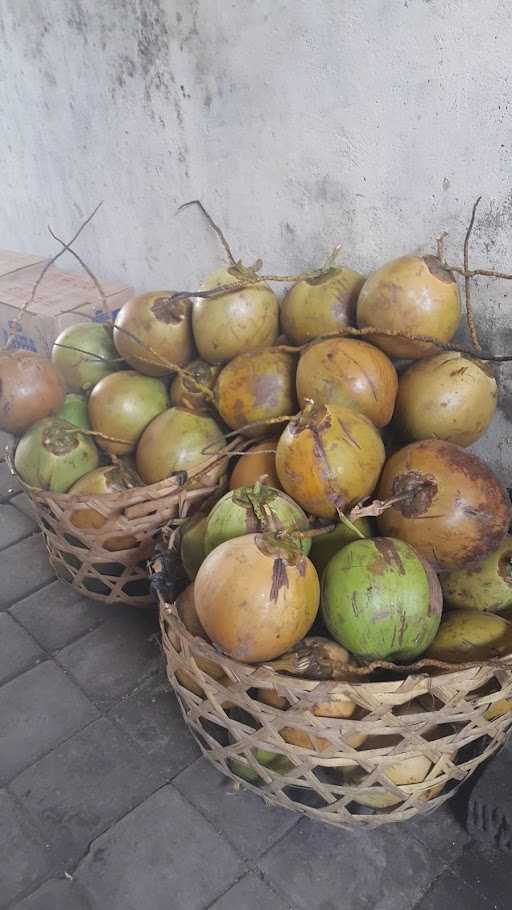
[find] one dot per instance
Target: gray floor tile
(57, 615)
(213, 795)
(250, 893)
(113, 659)
(23, 503)
(18, 650)
(488, 872)
(162, 856)
(14, 525)
(449, 893)
(38, 709)
(80, 787)
(24, 858)
(439, 831)
(8, 483)
(150, 714)
(25, 568)
(56, 894)
(378, 869)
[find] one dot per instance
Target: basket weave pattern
(334, 780)
(83, 556)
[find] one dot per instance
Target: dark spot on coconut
(403, 626)
(435, 268)
(505, 566)
(169, 311)
(301, 567)
(389, 553)
(279, 578)
(422, 488)
(347, 432)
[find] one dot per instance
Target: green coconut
(274, 761)
(85, 353)
(53, 455)
(192, 544)
(380, 600)
(325, 546)
(248, 510)
(75, 411)
(487, 587)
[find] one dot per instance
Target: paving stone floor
(107, 805)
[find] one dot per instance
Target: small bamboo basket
(109, 563)
(429, 729)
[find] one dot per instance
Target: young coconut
(185, 605)
(329, 458)
(469, 635)
(109, 479)
(257, 463)
(325, 546)
(122, 405)
(249, 510)
(381, 601)
(75, 410)
(256, 387)
(450, 396)
(486, 587)
(234, 322)
(454, 511)
(184, 392)
(152, 331)
(317, 306)
(30, 389)
(344, 372)
(178, 440)
(414, 295)
(192, 551)
(53, 455)
(256, 597)
(83, 354)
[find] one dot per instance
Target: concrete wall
(299, 123)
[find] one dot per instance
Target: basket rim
(133, 495)
(263, 673)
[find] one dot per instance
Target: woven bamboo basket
(432, 727)
(109, 564)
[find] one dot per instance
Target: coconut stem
(91, 356)
(378, 506)
(467, 282)
(212, 224)
(261, 423)
(167, 364)
(351, 331)
(90, 273)
(61, 252)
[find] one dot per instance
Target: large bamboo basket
(86, 558)
(453, 734)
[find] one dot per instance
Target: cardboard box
(62, 299)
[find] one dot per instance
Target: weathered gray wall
(300, 123)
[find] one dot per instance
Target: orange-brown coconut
(450, 396)
(258, 462)
(344, 372)
(255, 387)
(184, 392)
(328, 459)
(108, 479)
(30, 389)
(317, 306)
(415, 295)
(256, 599)
(456, 510)
(154, 321)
